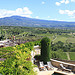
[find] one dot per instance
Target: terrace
(56, 64)
(8, 42)
(52, 72)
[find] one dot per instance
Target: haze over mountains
(30, 22)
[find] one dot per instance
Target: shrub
(37, 57)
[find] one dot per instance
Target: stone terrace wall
(57, 63)
(67, 61)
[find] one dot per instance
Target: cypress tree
(45, 49)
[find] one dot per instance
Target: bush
(37, 57)
(18, 64)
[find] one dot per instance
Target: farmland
(62, 40)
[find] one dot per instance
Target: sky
(61, 10)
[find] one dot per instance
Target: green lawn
(60, 38)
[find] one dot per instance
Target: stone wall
(57, 63)
(67, 61)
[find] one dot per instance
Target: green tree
(45, 49)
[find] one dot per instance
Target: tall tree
(45, 49)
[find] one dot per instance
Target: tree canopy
(45, 49)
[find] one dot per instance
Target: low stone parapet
(57, 63)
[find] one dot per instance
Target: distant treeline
(10, 31)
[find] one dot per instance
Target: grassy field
(60, 38)
(63, 55)
(72, 40)
(59, 55)
(72, 55)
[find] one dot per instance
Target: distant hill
(30, 22)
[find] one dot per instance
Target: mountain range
(31, 22)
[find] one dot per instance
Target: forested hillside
(30, 22)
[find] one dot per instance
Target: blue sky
(62, 10)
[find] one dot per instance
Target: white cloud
(67, 1)
(62, 1)
(57, 19)
(73, 17)
(61, 12)
(43, 2)
(48, 16)
(37, 17)
(53, 19)
(72, 0)
(68, 12)
(25, 12)
(57, 3)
